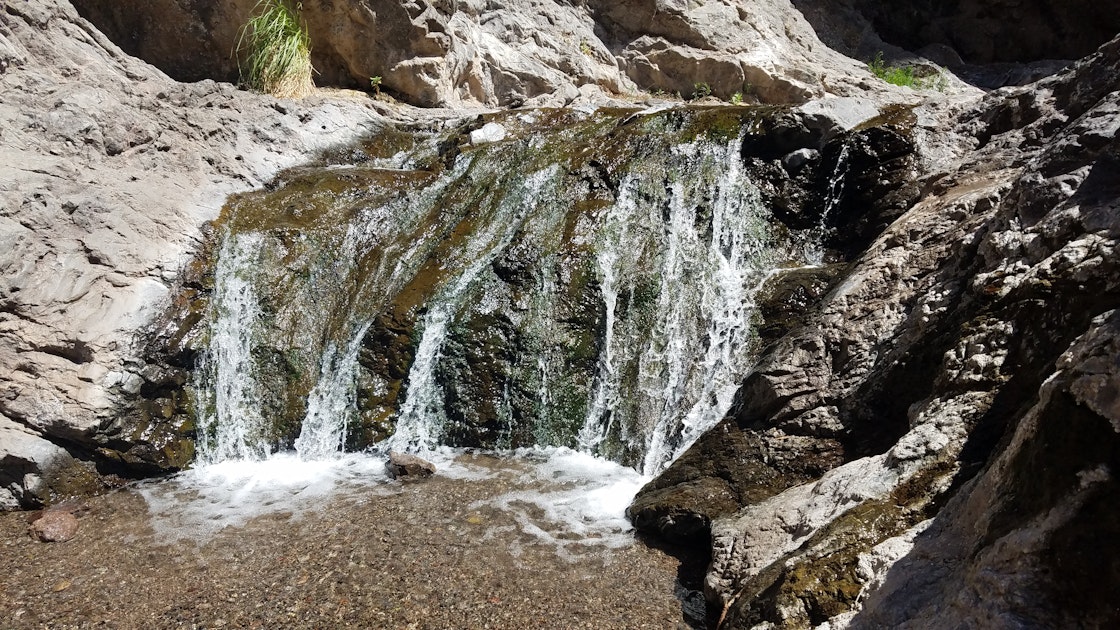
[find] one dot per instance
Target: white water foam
(198, 503)
(570, 501)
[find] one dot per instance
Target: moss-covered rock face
(588, 280)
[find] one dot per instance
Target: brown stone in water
(409, 466)
(55, 526)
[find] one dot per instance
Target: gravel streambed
(448, 552)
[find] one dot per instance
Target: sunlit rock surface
(109, 169)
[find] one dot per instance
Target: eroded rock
(110, 170)
(939, 340)
(512, 53)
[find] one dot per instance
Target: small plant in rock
(277, 49)
(895, 75)
(585, 48)
(701, 90)
(737, 98)
(375, 83)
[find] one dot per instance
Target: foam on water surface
(556, 497)
(198, 503)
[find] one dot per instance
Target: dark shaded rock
(727, 468)
(479, 384)
(815, 175)
(879, 182)
(984, 31)
(54, 526)
(407, 466)
(787, 299)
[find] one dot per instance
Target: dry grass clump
(279, 51)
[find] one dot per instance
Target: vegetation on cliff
(279, 50)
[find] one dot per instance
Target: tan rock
(407, 466)
(55, 526)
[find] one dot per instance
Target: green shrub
(896, 75)
(278, 51)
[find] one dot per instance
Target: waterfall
(331, 404)
(690, 361)
(589, 283)
(422, 418)
(232, 426)
(597, 424)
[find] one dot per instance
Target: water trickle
(422, 417)
(814, 253)
(331, 405)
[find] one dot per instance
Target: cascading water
(233, 427)
(331, 404)
(421, 420)
(588, 283)
(814, 253)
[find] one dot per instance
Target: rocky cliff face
(924, 384)
(109, 171)
(525, 52)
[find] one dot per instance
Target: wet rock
(794, 160)
(847, 175)
(407, 466)
(788, 299)
(55, 525)
(490, 132)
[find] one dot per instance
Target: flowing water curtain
(296, 271)
(422, 421)
(230, 423)
(682, 251)
(547, 301)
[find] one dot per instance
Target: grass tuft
(278, 51)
